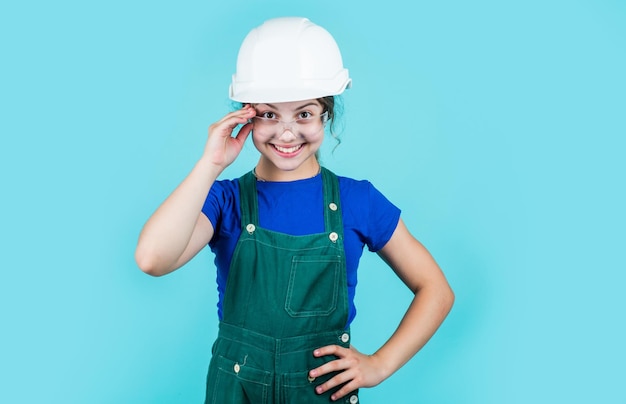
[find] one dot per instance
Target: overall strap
(248, 199)
(332, 203)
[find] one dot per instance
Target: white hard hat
(288, 59)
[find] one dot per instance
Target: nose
(287, 135)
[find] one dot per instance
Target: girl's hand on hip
(356, 370)
(221, 147)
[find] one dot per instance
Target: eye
(305, 115)
(268, 115)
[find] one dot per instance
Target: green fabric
(285, 296)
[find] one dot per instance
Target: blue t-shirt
(297, 208)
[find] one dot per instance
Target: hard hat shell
(288, 59)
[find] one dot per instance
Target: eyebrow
(300, 107)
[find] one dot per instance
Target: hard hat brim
(255, 93)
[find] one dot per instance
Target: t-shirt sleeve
(382, 219)
(220, 204)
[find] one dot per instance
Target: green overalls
(285, 296)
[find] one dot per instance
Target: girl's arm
(433, 300)
(177, 230)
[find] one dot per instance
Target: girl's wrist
(384, 369)
(207, 166)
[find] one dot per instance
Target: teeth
(287, 149)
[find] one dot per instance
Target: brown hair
(333, 105)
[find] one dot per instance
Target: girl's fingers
(330, 350)
(247, 111)
(344, 390)
(332, 366)
(243, 133)
(233, 119)
(222, 148)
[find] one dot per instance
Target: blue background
(498, 128)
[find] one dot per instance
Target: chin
(290, 164)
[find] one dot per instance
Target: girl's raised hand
(221, 147)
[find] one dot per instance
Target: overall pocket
(313, 285)
(298, 388)
(233, 382)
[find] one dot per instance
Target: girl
(288, 235)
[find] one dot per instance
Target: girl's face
(288, 134)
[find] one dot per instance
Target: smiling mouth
(287, 150)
